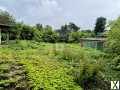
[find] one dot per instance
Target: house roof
(5, 26)
(93, 39)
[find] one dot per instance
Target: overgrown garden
(39, 58)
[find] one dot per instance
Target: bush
(38, 35)
(87, 75)
(50, 36)
(113, 42)
(116, 63)
(113, 39)
(23, 44)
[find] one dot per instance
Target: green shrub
(87, 75)
(38, 35)
(76, 53)
(113, 42)
(113, 39)
(116, 63)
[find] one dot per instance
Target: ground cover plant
(33, 70)
(45, 66)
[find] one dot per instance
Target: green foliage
(12, 73)
(100, 25)
(113, 39)
(60, 66)
(21, 31)
(49, 35)
(38, 34)
(45, 34)
(49, 75)
(39, 27)
(87, 66)
(41, 71)
(73, 27)
(27, 32)
(113, 48)
(66, 30)
(116, 63)
(75, 36)
(6, 18)
(87, 75)
(45, 70)
(23, 45)
(74, 52)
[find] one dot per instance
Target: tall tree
(73, 27)
(100, 25)
(6, 18)
(66, 29)
(64, 33)
(39, 27)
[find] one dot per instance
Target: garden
(39, 58)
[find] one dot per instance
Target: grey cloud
(58, 12)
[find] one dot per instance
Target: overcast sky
(59, 12)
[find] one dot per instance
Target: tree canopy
(100, 25)
(6, 18)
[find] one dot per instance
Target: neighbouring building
(97, 43)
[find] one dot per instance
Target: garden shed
(4, 29)
(97, 43)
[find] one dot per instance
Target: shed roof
(93, 39)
